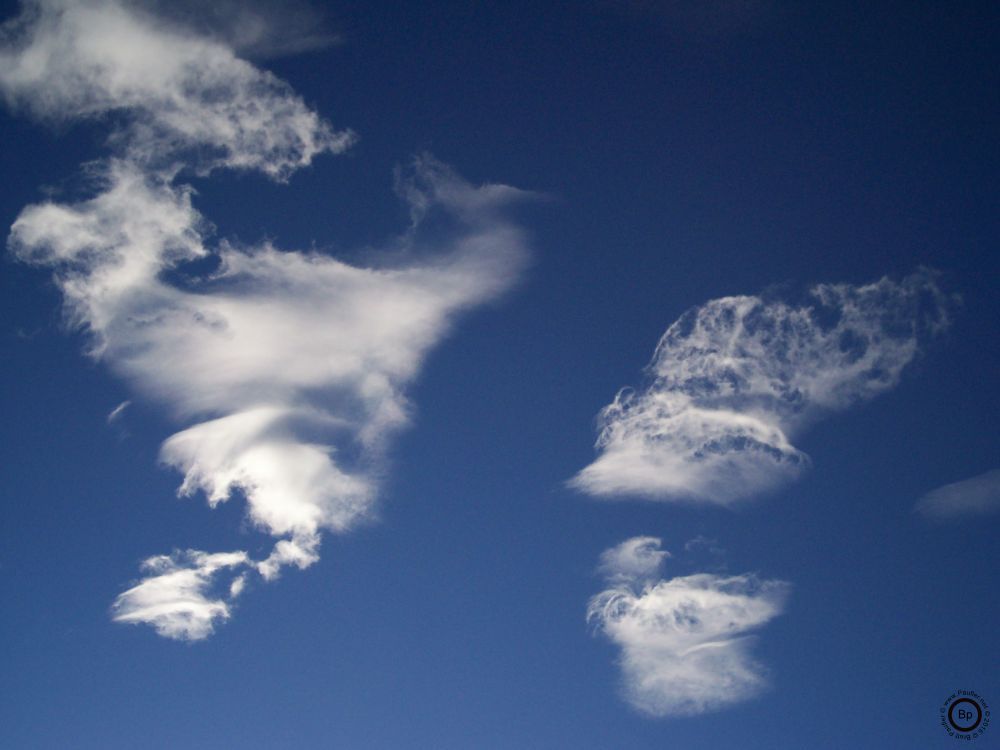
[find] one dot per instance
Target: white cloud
(116, 413)
(255, 29)
(684, 641)
(176, 597)
(977, 496)
(288, 369)
(702, 543)
(634, 559)
(732, 381)
(186, 95)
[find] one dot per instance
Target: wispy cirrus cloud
(254, 29)
(184, 95)
(973, 497)
(116, 414)
(287, 369)
(635, 559)
(685, 643)
(731, 382)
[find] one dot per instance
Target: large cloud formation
(287, 368)
(732, 381)
(684, 641)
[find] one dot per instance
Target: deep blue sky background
(686, 160)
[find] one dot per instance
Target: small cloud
(176, 597)
(256, 29)
(700, 543)
(634, 559)
(978, 496)
(287, 370)
(117, 412)
(695, 21)
(685, 643)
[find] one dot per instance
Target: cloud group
(731, 382)
(287, 369)
(685, 641)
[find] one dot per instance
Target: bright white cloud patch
(732, 381)
(289, 368)
(176, 596)
(185, 94)
(971, 497)
(684, 641)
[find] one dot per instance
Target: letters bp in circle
(951, 715)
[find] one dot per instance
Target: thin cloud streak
(733, 381)
(685, 643)
(978, 496)
(116, 414)
(289, 369)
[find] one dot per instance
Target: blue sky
(380, 308)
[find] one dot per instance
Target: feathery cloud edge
(289, 368)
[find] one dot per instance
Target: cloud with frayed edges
(732, 381)
(188, 99)
(684, 641)
(286, 370)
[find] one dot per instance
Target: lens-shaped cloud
(685, 644)
(732, 381)
(973, 497)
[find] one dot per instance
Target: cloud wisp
(685, 641)
(731, 382)
(286, 369)
(184, 95)
(978, 496)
